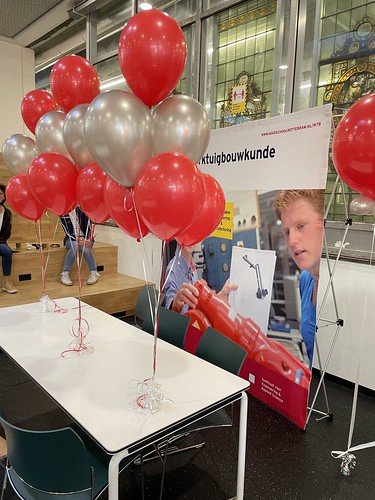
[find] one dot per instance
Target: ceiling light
(145, 6)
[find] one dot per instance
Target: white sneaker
(65, 278)
(9, 288)
(93, 277)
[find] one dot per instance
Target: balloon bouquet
(353, 153)
(131, 156)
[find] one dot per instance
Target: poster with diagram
(252, 270)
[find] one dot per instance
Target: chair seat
(28, 493)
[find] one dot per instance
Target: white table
(95, 389)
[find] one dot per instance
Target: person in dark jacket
(77, 227)
(5, 251)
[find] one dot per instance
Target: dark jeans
(6, 254)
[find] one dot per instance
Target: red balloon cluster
(90, 192)
(74, 81)
(52, 180)
(120, 202)
(152, 55)
(21, 200)
(353, 147)
(171, 197)
(35, 104)
(176, 200)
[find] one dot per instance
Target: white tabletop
(97, 389)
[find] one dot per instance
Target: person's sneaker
(93, 277)
(9, 288)
(65, 278)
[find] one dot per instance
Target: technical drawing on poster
(253, 271)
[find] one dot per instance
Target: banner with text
(262, 166)
(285, 152)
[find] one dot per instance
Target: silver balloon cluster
(18, 152)
(49, 133)
(118, 132)
(121, 133)
(361, 205)
(181, 125)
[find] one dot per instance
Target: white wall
(17, 77)
(141, 260)
(354, 352)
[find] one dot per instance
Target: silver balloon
(18, 152)
(181, 125)
(118, 132)
(362, 206)
(74, 136)
(49, 133)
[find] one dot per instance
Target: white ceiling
(25, 21)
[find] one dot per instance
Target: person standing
(6, 252)
(180, 276)
(77, 227)
(301, 213)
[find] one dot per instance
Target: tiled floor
(283, 462)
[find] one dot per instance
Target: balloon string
(131, 207)
(41, 254)
(172, 266)
(154, 313)
(157, 315)
(364, 315)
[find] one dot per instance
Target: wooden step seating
(114, 293)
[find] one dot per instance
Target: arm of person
(186, 294)
(6, 228)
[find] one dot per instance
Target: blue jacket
(84, 225)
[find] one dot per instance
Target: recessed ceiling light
(145, 6)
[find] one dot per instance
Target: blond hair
(287, 196)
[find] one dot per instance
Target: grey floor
(283, 462)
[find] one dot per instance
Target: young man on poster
(301, 213)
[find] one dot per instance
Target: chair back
(52, 461)
(221, 351)
(172, 326)
(147, 297)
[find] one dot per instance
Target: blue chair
(221, 351)
(148, 297)
(172, 326)
(56, 464)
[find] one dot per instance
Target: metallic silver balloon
(118, 132)
(362, 206)
(49, 133)
(18, 152)
(181, 125)
(74, 136)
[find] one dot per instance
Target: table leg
(242, 447)
(113, 475)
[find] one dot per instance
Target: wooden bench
(114, 293)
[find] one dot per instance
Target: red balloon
(90, 192)
(209, 217)
(74, 81)
(52, 180)
(152, 55)
(35, 104)
(353, 147)
(119, 201)
(169, 194)
(21, 200)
